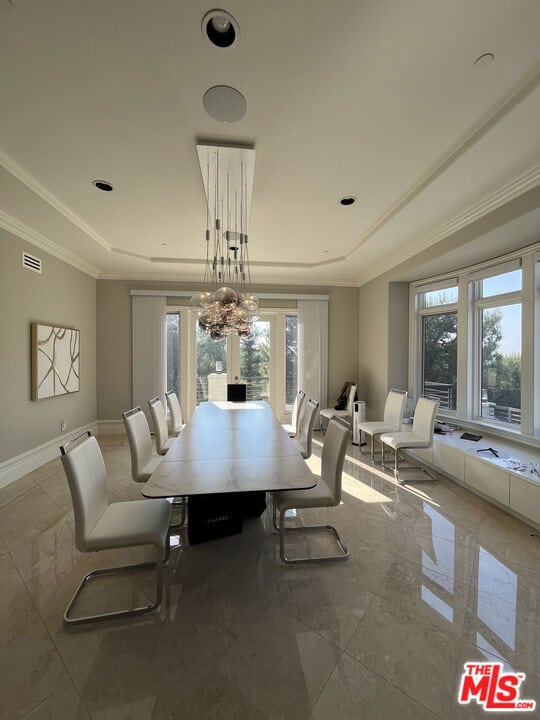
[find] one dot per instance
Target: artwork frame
(55, 361)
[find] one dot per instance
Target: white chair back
(424, 418)
(350, 399)
(175, 411)
(305, 435)
(140, 442)
(159, 419)
(87, 479)
(333, 455)
(297, 410)
(394, 407)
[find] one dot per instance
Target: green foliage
(255, 361)
(440, 348)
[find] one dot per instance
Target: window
(439, 358)
(173, 352)
(498, 340)
(439, 337)
(475, 343)
(291, 361)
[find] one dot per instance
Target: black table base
(221, 514)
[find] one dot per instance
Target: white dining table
(229, 448)
(225, 460)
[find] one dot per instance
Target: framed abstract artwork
(55, 361)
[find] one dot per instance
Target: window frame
(421, 311)
(469, 308)
(479, 304)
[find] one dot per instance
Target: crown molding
(12, 167)
(274, 280)
(18, 228)
(514, 188)
(504, 194)
(454, 153)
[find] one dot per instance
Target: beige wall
(60, 295)
(114, 337)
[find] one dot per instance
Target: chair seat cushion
(331, 412)
(376, 428)
(319, 496)
(148, 469)
(404, 440)
(137, 522)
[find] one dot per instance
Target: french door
(200, 368)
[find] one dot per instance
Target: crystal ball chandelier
(228, 305)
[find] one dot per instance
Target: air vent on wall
(30, 262)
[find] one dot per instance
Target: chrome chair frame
(119, 570)
(305, 529)
(336, 480)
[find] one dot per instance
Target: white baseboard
(110, 427)
(16, 467)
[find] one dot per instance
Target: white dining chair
(296, 415)
(420, 437)
(305, 436)
(346, 414)
(327, 493)
(392, 418)
(161, 430)
(143, 460)
(103, 526)
(175, 412)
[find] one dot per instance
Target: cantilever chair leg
(182, 504)
(402, 481)
(123, 570)
(309, 528)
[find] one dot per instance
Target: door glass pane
(255, 361)
(501, 364)
(211, 368)
(291, 361)
(499, 284)
(439, 358)
(173, 352)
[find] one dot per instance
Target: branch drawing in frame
(55, 360)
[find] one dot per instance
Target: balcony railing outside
(443, 392)
(446, 395)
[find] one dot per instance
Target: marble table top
(230, 447)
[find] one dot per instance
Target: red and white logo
(491, 687)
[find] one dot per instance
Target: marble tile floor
(436, 577)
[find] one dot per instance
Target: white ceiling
(373, 98)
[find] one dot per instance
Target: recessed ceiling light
(348, 200)
(224, 103)
(326, 252)
(164, 244)
(483, 60)
(104, 185)
(220, 28)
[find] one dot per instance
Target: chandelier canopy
(228, 305)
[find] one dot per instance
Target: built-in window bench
(494, 478)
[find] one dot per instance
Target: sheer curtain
(313, 347)
(148, 346)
